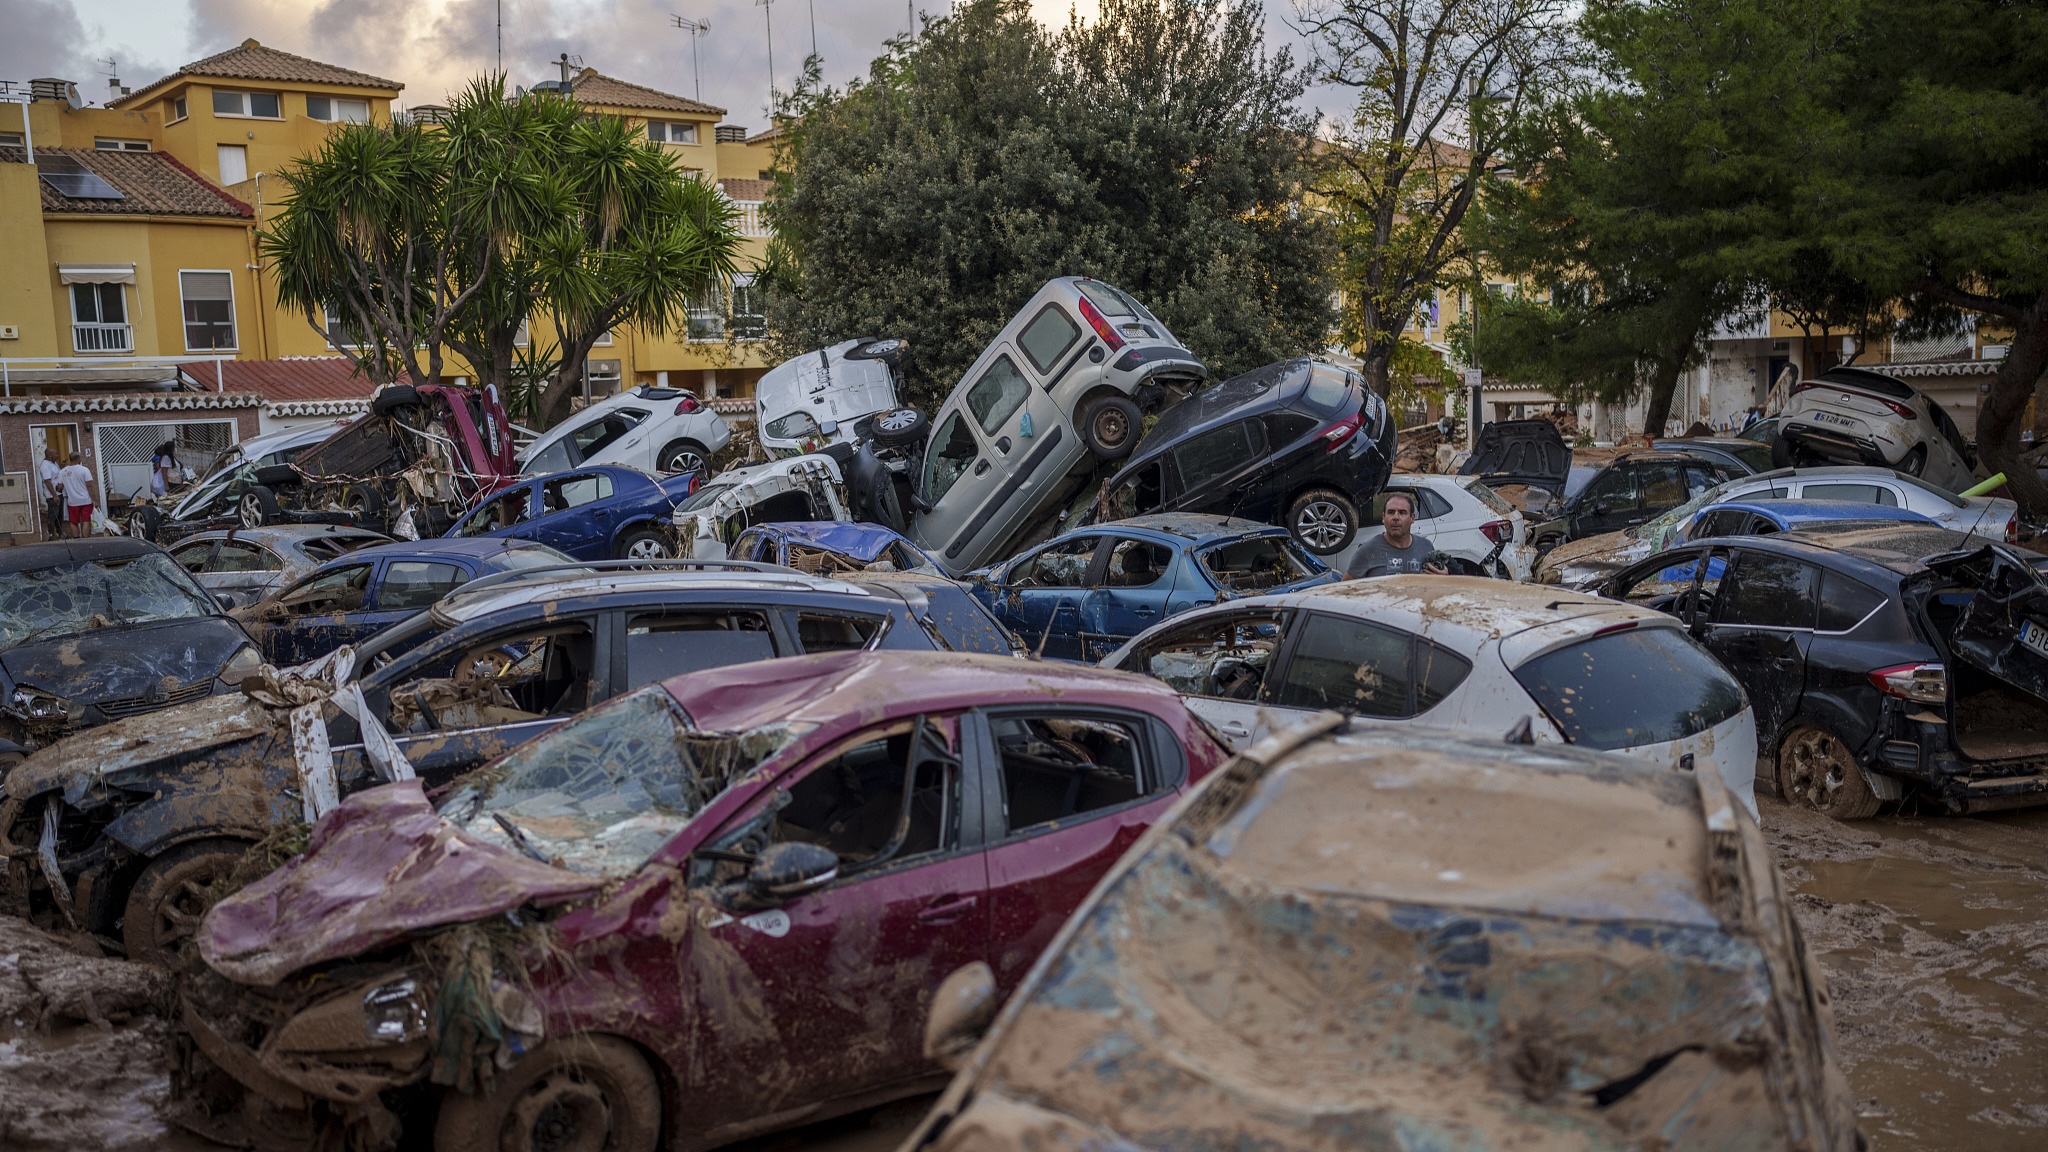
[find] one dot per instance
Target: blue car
(1080, 595)
(602, 512)
(1765, 517)
(830, 547)
(347, 599)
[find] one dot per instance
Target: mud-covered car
(212, 499)
(1408, 941)
(715, 907)
(831, 548)
(1885, 661)
(1857, 416)
(99, 629)
(597, 512)
(243, 565)
(146, 815)
(799, 488)
(410, 468)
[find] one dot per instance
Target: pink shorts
(80, 513)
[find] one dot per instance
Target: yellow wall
(24, 297)
(159, 247)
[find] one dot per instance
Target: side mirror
(962, 1009)
(224, 599)
(783, 871)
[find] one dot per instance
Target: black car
(150, 813)
(1883, 662)
(1301, 443)
(1628, 490)
(1747, 457)
(99, 629)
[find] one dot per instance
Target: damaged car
(601, 512)
(243, 565)
(713, 908)
(120, 831)
(1886, 662)
(1083, 594)
(95, 630)
(832, 548)
(212, 499)
(1368, 940)
(807, 402)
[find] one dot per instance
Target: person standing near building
(53, 495)
(79, 503)
(1396, 550)
(163, 469)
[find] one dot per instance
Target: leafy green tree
(1158, 148)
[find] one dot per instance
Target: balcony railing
(750, 222)
(103, 337)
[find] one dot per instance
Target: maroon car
(713, 907)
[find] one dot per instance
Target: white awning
(96, 273)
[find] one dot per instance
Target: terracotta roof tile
(593, 87)
(250, 60)
(740, 188)
(293, 378)
(766, 136)
(150, 183)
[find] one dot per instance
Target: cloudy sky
(433, 45)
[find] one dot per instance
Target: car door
(573, 516)
(1218, 470)
(1073, 787)
(195, 557)
(831, 988)
(1608, 501)
(310, 618)
(1219, 664)
(993, 453)
(1041, 595)
(403, 587)
(1138, 580)
(1660, 487)
(1760, 626)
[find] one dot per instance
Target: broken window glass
(1258, 564)
(69, 598)
(1629, 689)
(854, 803)
(1223, 658)
(603, 792)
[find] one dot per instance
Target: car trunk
(1529, 452)
(1988, 609)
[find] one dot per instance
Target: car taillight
(1336, 434)
(1901, 409)
(1498, 531)
(2012, 530)
(1101, 324)
(687, 405)
(1802, 386)
(1920, 683)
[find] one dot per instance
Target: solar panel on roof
(68, 177)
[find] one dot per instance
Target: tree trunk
(1373, 366)
(1998, 421)
(1657, 406)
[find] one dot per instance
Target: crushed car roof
(1201, 527)
(1471, 609)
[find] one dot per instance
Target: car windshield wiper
(518, 837)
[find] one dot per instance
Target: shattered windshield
(79, 596)
(602, 793)
(1259, 563)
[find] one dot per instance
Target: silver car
(1062, 390)
(243, 565)
(1856, 416)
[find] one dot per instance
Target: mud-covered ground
(1934, 933)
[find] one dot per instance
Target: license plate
(1831, 418)
(2034, 636)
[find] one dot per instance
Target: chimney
(729, 134)
(51, 88)
(565, 73)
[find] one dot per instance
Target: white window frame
(245, 93)
(117, 144)
(334, 107)
(668, 129)
(523, 338)
(10, 140)
(327, 314)
(234, 316)
(709, 311)
(177, 109)
(128, 320)
(604, 341)
(745, 280)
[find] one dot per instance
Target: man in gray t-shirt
(1397, 550)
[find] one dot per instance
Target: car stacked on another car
(593, 512)
(831, 548)
(648, 427)
(1462, 653)
(243, 565)
(214, 498)
(1081, 595)
(1857, 416)
(1301, 443)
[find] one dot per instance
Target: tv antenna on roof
(695, 28)
(767, 14)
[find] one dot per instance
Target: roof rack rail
(589, 567)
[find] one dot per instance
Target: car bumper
(1838, 444)
(1920, 753)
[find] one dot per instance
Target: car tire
(1111, 426)
(394, 397)
(645, 544)
(145, 522)
(1914, 462)
(363, 504)
(257, 507)
(172, 893)
(684, 456)
(1818, 772)
(900, 426)
(589, 1091)
(1324, 520)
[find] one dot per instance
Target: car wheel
(1915, 462)
(362, 504)
(144, 522)
(645, 544)
(901, 426)
(171, 895)
(1324, 520)
(588, 1093)
(1817, 771)
(1110, 427)
(257, 507)
(685, 456)
(394, 397)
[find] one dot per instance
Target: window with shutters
(209, 310)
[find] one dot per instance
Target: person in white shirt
(76, 479)
(53, 495)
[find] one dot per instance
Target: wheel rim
(252, 512)
(184, 902)
(559, 1113)
(1111, 427)
(647, 548)
(1321, 524)
(685, 461)
(901, 420)
(1818, 769)
(135, 527)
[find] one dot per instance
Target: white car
(1856, 416)
(1483, 657)
(1462, 517)
(1583, 563)
(805, 403)
(808, 487)
(650, 428)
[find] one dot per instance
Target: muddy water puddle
(1934, 934)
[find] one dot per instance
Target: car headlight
(246, 662)
(36, 704)
(393, 1013)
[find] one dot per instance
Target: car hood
(861, 543)
(136, 745)
(124, 663)
(381, 866)
(1581, 560)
